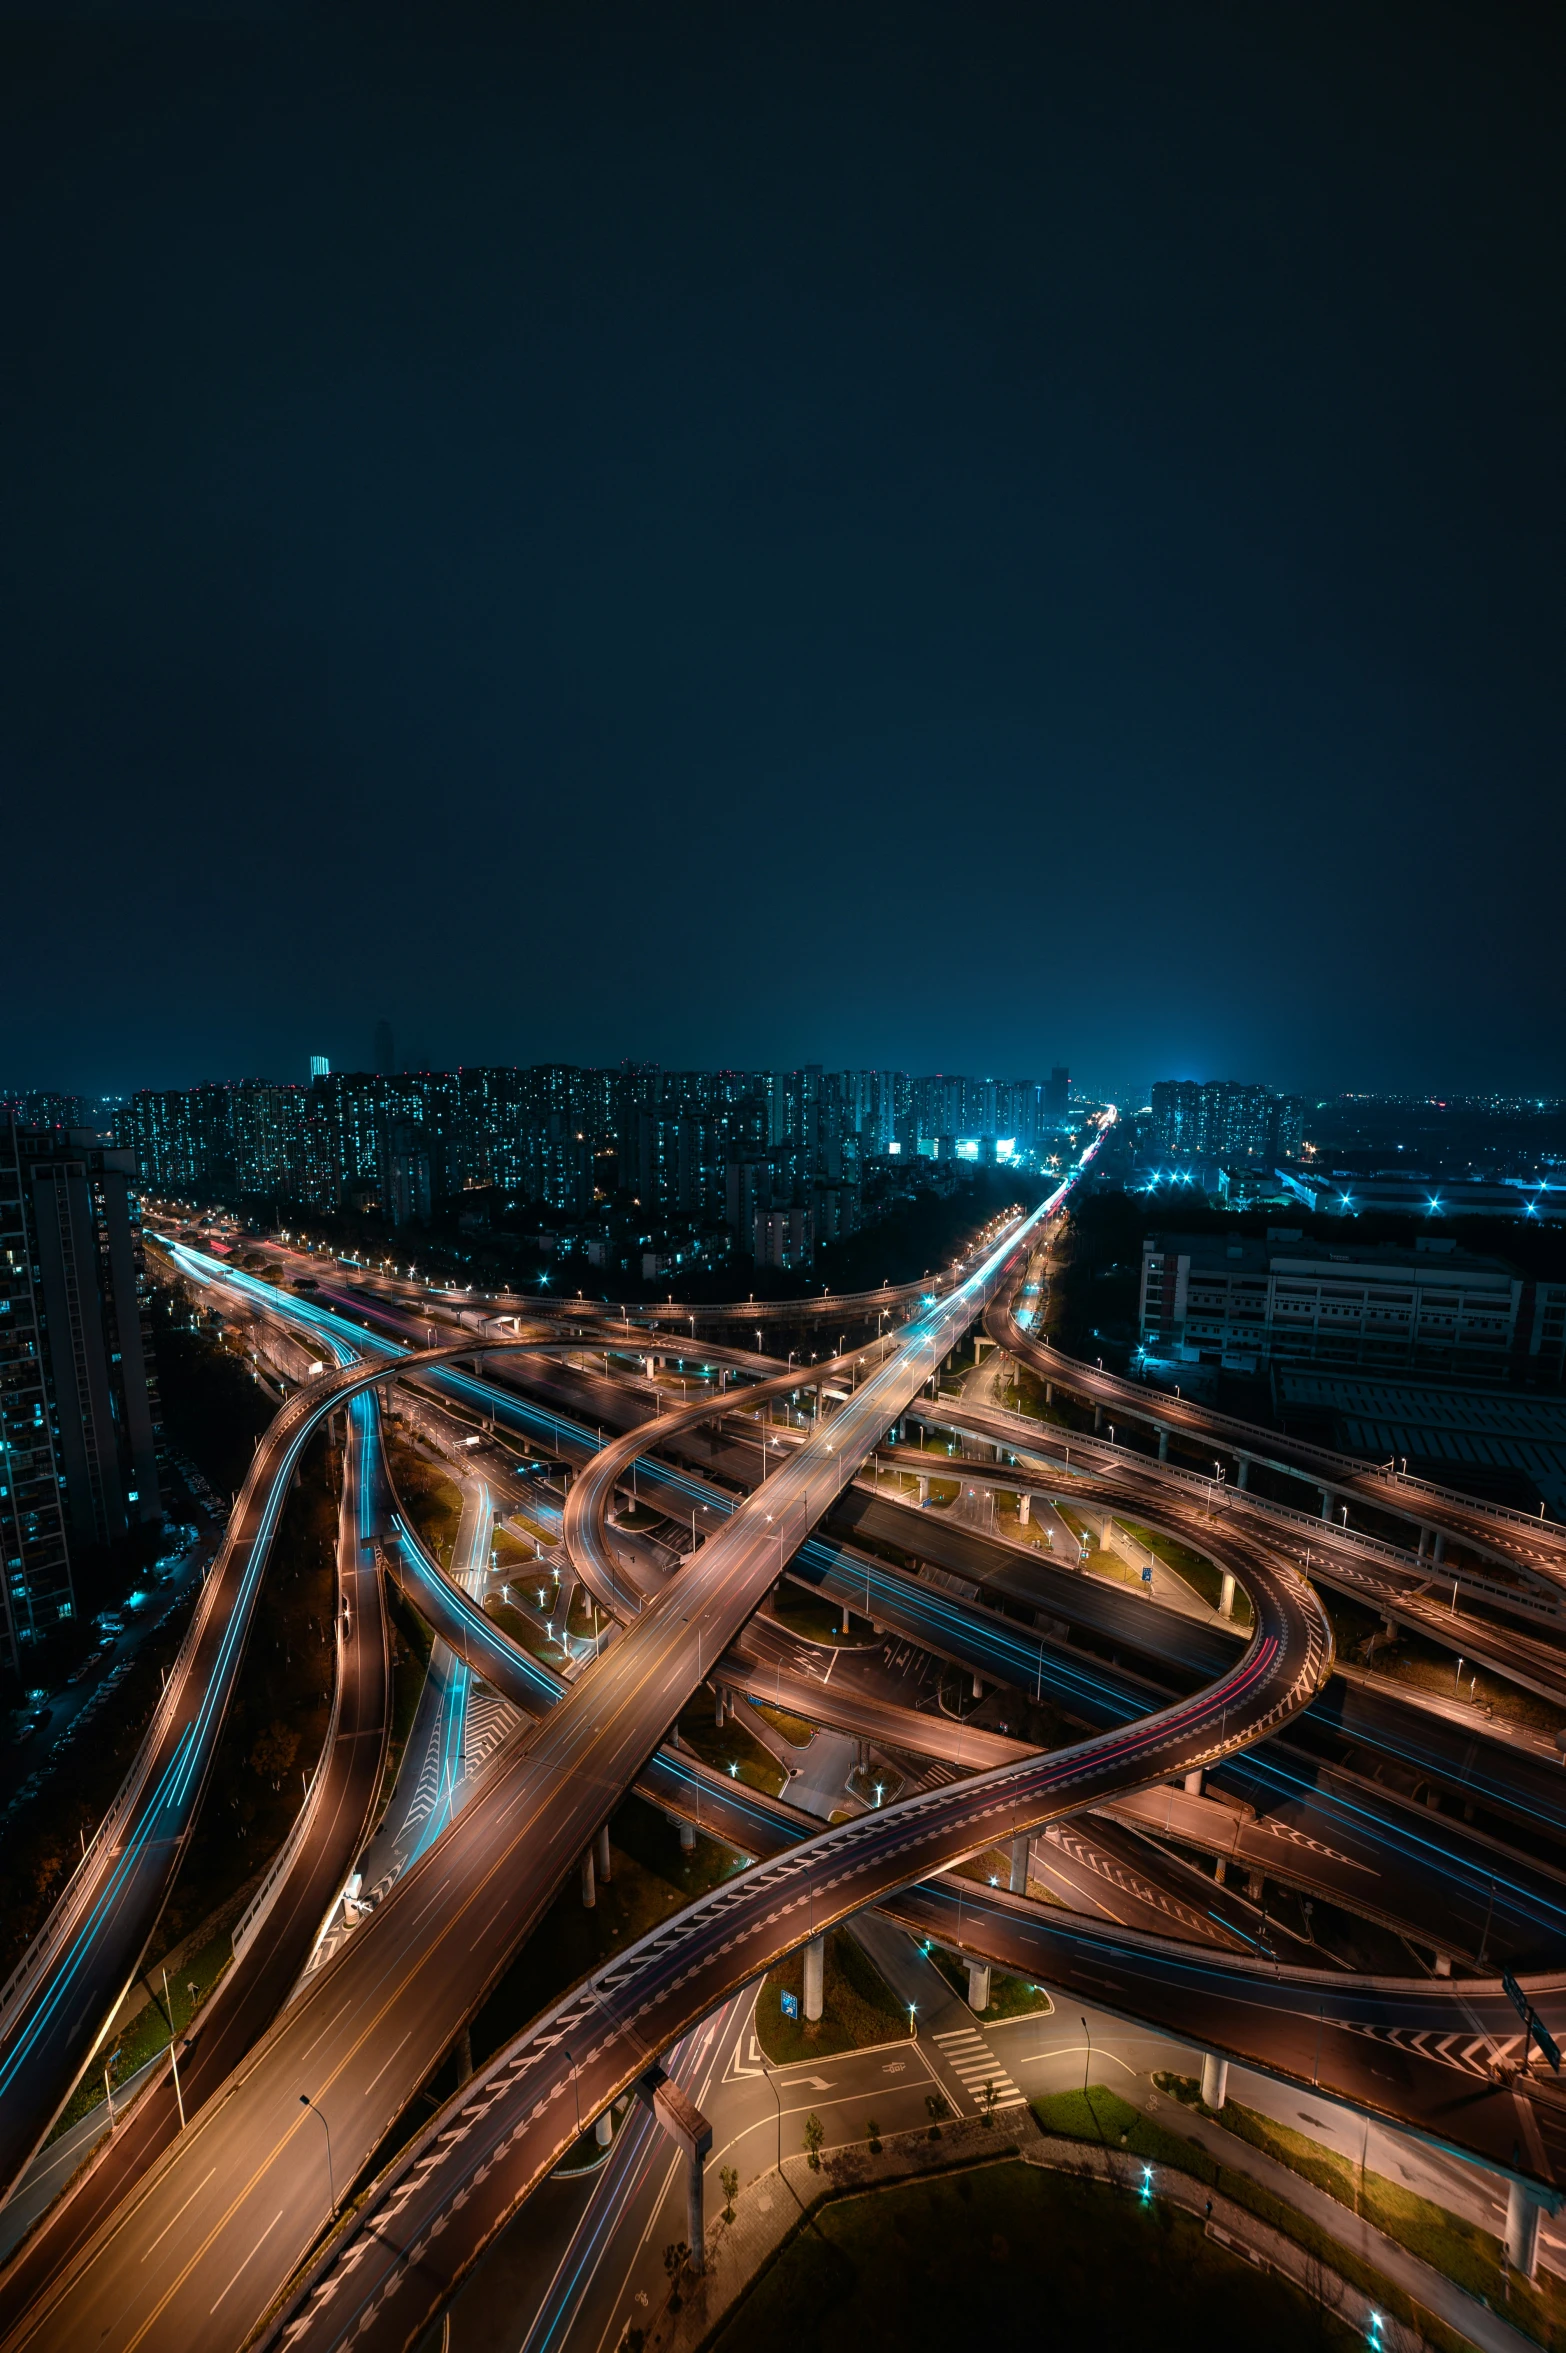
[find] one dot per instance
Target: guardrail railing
(1229, 1428)
(1543, 1608)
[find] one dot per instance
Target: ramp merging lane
(238, 2201)
(1534, 1548)
(276, 1935)
(233, 2208)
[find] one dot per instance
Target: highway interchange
(212, 2235)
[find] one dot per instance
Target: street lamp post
(305, 2101)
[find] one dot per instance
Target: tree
(815, 2134)
(675, 2257)
(987, 2099)
(935, 2108)
(873, 2136)
(274, 1752)
(729, 2177)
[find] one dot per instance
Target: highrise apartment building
(78, 1423)
(1225, 1119)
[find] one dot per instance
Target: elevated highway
(1533, 1549)
(366, 2031)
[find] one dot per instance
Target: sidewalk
(1430, 2288)
(771, 2208)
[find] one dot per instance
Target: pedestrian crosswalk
(974, 2064)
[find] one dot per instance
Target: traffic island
(1009, 1997)
(858, 2008)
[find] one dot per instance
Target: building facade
(1243, 1303)
(78, 1404)
(1225, 1119)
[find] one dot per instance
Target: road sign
(790, 2005)
(1534, 2028)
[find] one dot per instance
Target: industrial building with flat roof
(1210, 1299)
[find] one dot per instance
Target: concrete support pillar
(1226, 1595)
(1215, 2082)
(691, 2134)
(1193, 1782)
(1443, 1964)
(978, 1985)
(1242, 1476)
(688, 1836)
(1049, 1392)
(695, 2211)
(1254, 1883)
(1023, 1502)
(1019, 1865)
(978, 1686)
(589, 1888)
(1098, 1419)
(1220, 1871)
(1438, 1555)
(923, 1486)
(464, 2054)
(602, 1857)
(717, 1707)
(1326, 1503)
(815, 1978)
(603, 2130)
(1163, 1445)
(1524, 2206)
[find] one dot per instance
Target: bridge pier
(602, 1844)
(1326, 1503)
(1226, 1595)
(1023, 1501)
(691, 2134)
(688, 1837)
(1098, 1419)
(1193, 1782)
(1019, 1864)
(1215, 2082)
(1438, 1549)
(1163, 1444)
(978, 1985)
(815, 1978)
(1525, 2203)
(1242, 1475)
(589, 1887)
(603, 2130)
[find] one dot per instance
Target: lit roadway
(437, 2206)
(237, 2202)
(233, 2208)
(66, 1989)
(1536, 1548)
(320, 1852)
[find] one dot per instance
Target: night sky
(956, 538)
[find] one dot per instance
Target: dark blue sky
(948, 537)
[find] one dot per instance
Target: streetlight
(305, 2101)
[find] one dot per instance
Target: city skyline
(782, 1176)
